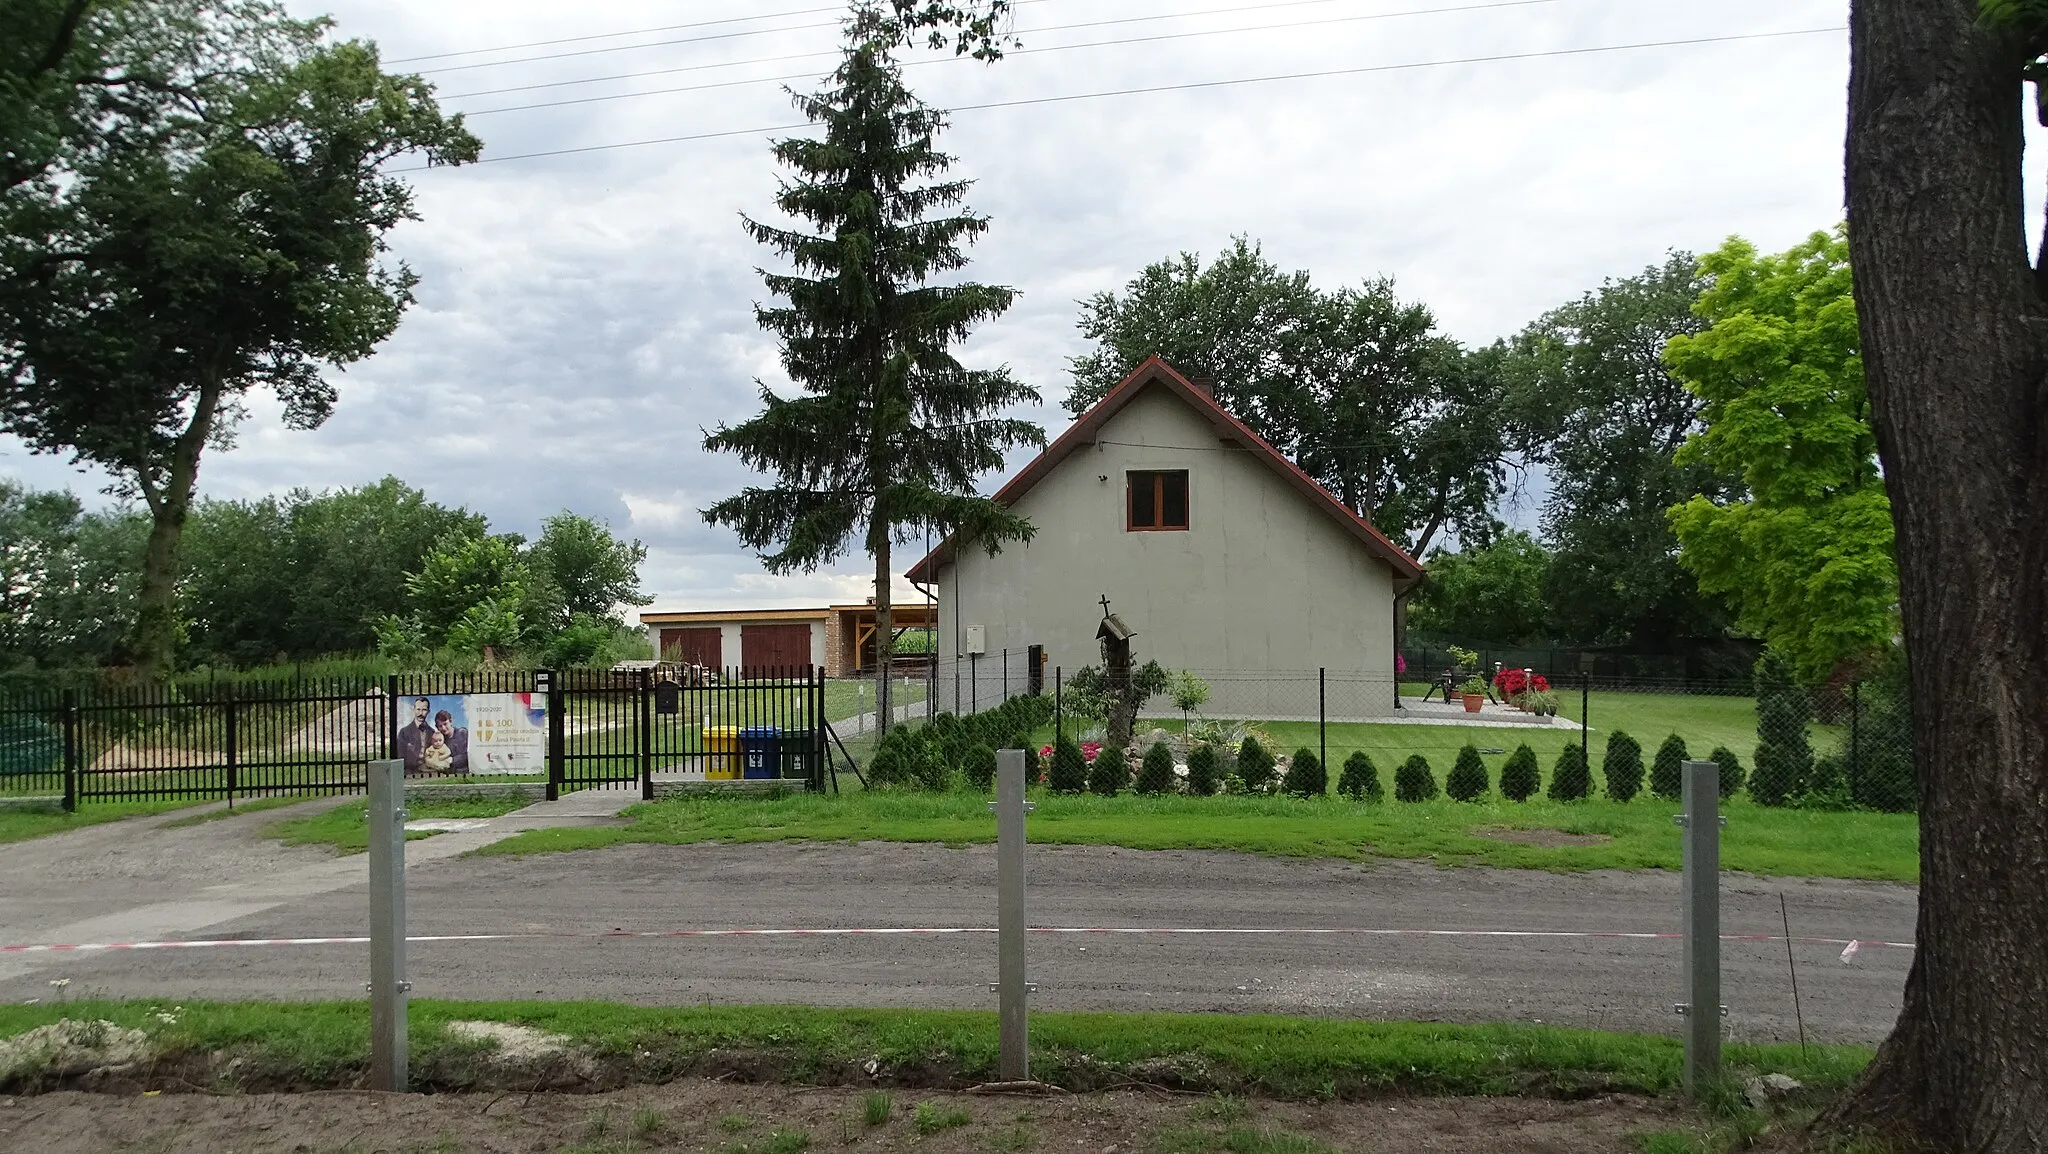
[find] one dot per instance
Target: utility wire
(629, 32)
(1493, 4)
(1187, 87)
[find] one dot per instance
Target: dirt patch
(697, 1115)
(1547, 838)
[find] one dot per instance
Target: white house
(1222, 556)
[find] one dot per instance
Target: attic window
(1158, 501)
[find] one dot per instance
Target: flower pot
(1473, 701)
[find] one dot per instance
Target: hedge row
(954, 748)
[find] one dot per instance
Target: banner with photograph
(473, 733)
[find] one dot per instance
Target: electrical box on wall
(977, 639)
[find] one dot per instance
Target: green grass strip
(327, 1044)
(346, 828)
(1770, 842)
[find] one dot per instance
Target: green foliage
(888, 432)
(1414, 780)
(1784, 756)
(1188, 691)
(588, 572)
(1361, 778)
(1254, 764)
(980, 768)
(67, 579)
(1622, 766)
(1155, 773)
(486, 574)
(895, 758)
(1468, 778)
(930, 1119)
(1571, 779)
(1806, 559)
(1111, 772)
(876, 1107)
(1667, 770)
(1033, 767)
(1605, 419)
(1205, 770)
(1520, 778)
(1069, 772)
(1879, 750)
(1733, 776)
(1495, 591)
(1305, 775)
(1359, 387)
(1826, 787)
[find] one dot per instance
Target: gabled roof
(1157, 373)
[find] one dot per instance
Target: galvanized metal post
(1702, 856)
(1014, 1054)
(388, 987)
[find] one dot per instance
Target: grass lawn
(1778, 842)
(327, 1044)
(20, 825)
(347, 827)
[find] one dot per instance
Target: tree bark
(1955, 346)
(156, 603)
(885, 636)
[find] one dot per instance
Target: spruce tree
(1414, 781)
(1361, 778)
(1110, 773)
(1622, 766)
(890, 431)
(1205, 771)
(1733, 776)
(1468, 778)
(1069, 771)
(980, 767)
(1520, 778)
(1667, 770)
(1784, 756)
(1032, 764)
(1305, 775)
(1572, 779)
(1155, 773)
(1254, 765)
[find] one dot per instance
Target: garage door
(766, 649)
(693, 646)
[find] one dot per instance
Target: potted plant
(1474, 692)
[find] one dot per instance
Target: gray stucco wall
(1261, 585)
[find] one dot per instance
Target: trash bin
(760, 752)
(721, 752)
(800, 754)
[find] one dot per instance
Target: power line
(615, 35)
(1492, 4)
(1191, 86)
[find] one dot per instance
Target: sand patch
(1547, 838)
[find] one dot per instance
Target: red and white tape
(1850, 945)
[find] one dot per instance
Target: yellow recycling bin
(721, 753)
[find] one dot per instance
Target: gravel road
(126, 882)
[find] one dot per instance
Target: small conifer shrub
(1069, 772)
(1414, 781)
(1361, 778)
(1733, 776)
(1622, 766)
(1254, 765)
(980, 767)
(1520, 778)
(1571, 779)
(1111, 772)
(1305, 776)
(1667, 770)
(1205, 771)
(1155, 773)
(1468, 778)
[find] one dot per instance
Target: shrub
(1520, 778)
(1414, 781)
(1305, 775)
(895, 759)
(1827, 786)
(1622, 766)
(1254, 765)
(1732, 774)
(1155, 773)
(1667, 772)
(1784, 756)
(1361, 778)
(1069, 772)
(1205, 771)
(1110, 773)
(980, 767)
(1032, 764)
(1468, 779)
(1571, 779)
(931, 768)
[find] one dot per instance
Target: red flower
(1512, 682)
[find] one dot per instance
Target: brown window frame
(1157, 478)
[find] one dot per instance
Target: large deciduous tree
(891, 431)
(1953, 315)
(1805, 556)
(214, 227)
(1491, 593)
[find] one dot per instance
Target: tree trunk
(1954, 352)
(156, 603)
(885, 637)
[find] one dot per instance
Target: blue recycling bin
(760, 752)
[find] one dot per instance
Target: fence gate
(739, 723)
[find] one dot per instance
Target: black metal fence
(575, 729)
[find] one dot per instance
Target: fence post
(1702, 857)
(391, 715)
(72, 754)
(1059, 715)
(1323, 716)
(229, 738)
(1012, 1010)
(1586, 715)
(544, 681)
(973, 685)
(388, 987)
(1855, 741)
(646, 735)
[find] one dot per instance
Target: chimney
(1204, 385)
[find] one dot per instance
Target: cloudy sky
(583, 315)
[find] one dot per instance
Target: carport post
(1014, 1056)
(388, 986)
(1702, 823)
